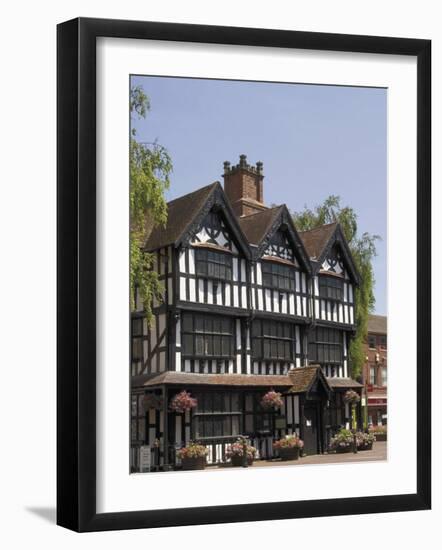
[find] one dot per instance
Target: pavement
(379, 452)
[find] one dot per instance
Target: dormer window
(279, 276)
(330, 287)
(213, 264)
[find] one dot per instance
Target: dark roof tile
(315, 240)
(181, 213)
(343, 383)
(256, 226)
(303, 377)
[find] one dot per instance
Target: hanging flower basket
(152, 401)
(351, 397)
(182, 402)
(271, 400)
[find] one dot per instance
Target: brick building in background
(375, 370)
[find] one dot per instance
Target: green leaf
(150, 168)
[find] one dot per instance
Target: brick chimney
(243, 187)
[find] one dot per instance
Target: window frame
(257, 414)
(137, 338)
(269, 340)
(326, 344)
(217, 416)
(278, 271)
(207, 336)
(138, 419)
(208, 257)
(330, 282)
(372, 336)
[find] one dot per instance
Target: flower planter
(238, 461)
(289, 453)
(194, 463)
(365, 447)
(381, 436)
(342, 450)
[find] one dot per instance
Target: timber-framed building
(250, 304)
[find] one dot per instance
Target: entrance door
(311, 430)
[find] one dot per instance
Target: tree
(363, 250)
(150, 167)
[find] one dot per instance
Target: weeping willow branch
(150, 167)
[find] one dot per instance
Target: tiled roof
(303, 378)
(377, 324)
(315, 240)
(181, 213)
(343, 383)
(186, 378)
(256, 226)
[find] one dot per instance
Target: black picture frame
(76, 274)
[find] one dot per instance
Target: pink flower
(182, 402)
(272, 400)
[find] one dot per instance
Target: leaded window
(272, 340)
(276, 275)
(325, 346)
(137, 346)
(218, 414)
(207, 335)
(330, 287)
(257, 421)
(138, 419)
(213, 264)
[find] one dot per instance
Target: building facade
(375, 370)
(250, 304)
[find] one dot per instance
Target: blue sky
(314, 141)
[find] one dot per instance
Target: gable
(213, 230)
(282, 239)
(334, 261)
(336, 257)
(280, 246)
(215, 225)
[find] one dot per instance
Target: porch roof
(343, 383)
(171, 378)
(303, 379)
